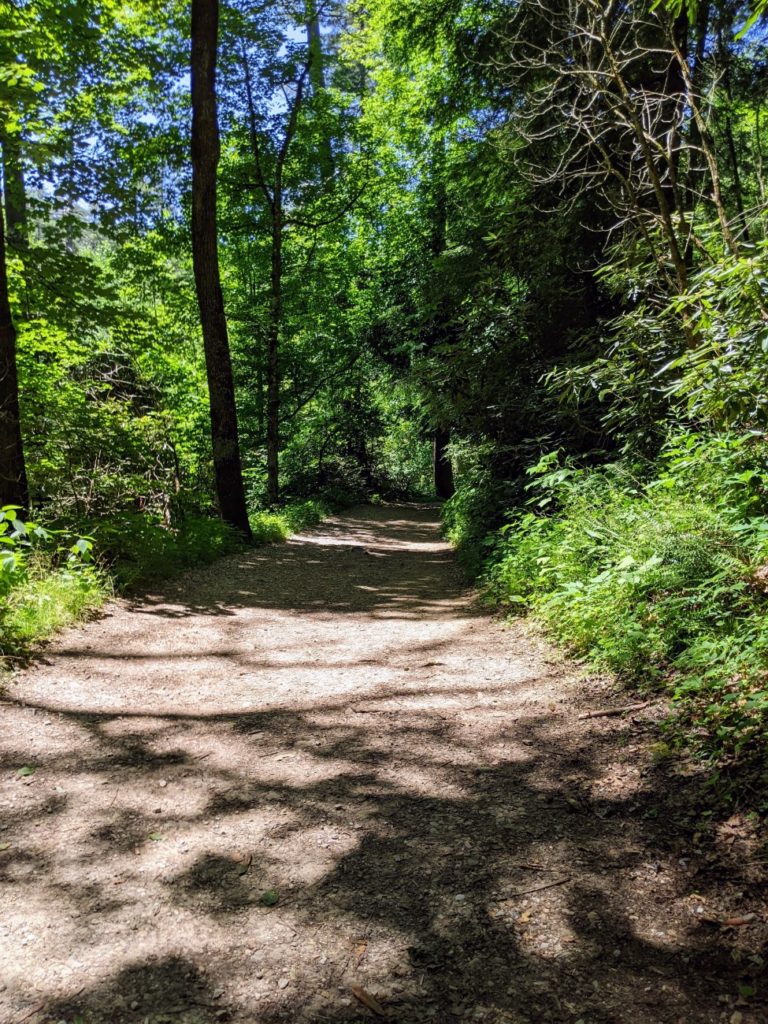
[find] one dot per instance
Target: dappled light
(418, 813)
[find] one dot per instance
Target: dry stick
(615, 711)
(538, 888)
(37, 1009)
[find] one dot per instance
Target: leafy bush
(269, 528)
(304, 514)
(664, 582)
(476, 508)
(47, 580)
(136, 548)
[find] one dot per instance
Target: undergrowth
(47, 580)
(661, 578)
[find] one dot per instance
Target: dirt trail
(335, 724)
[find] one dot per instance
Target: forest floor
(316, 782)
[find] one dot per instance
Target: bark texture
(205, 159)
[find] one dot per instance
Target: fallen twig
(609, 712)
(729, 922)
(35, 1009)
(376, 711)
(538, 888)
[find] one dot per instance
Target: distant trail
(319, 767)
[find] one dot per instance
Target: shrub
(662, 581)
(136, 548)
(269, 528)
(47, 581)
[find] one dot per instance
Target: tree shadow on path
(459, 845)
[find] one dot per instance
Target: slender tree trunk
(442, 470)
(273, 196)
(205, 256)
(696, 166)
(738, 191)
(13, 474)
(273, 356)
(317, 80)
(441, 465)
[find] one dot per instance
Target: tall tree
(205, 255)
(273, 192)
(317, 79)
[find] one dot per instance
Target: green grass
(48, 600)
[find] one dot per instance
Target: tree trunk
(738, 191)
(13, 474)
(442, 470)
(317, 79)
(441, 465)
(205, 257)
(273, 356)
(15, 194)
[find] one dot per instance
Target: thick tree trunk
(13, 474)
(14, 194)
(441, 465)
(273, 358)
(205, 256)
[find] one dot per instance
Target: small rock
(737, 1017)
(163, 783)
(282, 983)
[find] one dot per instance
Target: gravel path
(315, 782)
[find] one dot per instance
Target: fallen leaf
(26, 770)
(360, 950)
(155, 837)
(367, 1000)
(4, 846)
(269, 898)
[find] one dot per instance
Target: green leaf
(269, 898)
(26, 770)
(155, 837)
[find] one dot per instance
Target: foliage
(662, 581)
(47, 580)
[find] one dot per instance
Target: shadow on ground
(478, 854)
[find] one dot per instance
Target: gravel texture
(316, 782)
